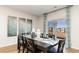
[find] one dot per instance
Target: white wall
(41, 23)
(4, 13)
(57, 15)
(74, 26)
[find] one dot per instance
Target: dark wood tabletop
(43, 43)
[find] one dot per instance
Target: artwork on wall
(12, 26)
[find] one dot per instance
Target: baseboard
(8, 49)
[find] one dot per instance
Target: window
(12, 26)
(29, 25)
(22, 25)
(57, 28)
(25, 26)
(61, 25)
(52, 27)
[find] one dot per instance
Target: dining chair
(58, 49)
(30, 46)
(21, 43)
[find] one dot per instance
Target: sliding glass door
(57, 28)
(61, 27)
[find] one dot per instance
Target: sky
(60, 23)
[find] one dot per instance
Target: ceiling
(36, 9)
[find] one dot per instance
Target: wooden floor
(71, 50)
(8, 49)
(13, 49)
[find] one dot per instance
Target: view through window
(57, 28)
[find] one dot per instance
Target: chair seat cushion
(52, 50)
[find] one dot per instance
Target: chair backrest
(24, 34)
(30, 45)
(42, 35)
(61, 46)
(21, 40)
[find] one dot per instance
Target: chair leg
(19, 50)
(27, 50)
(23, 50)
(18, 47)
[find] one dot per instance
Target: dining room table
(43, 43)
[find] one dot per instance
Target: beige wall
(74, 16)
(57, 15)
(40, 22)
(4, 13)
